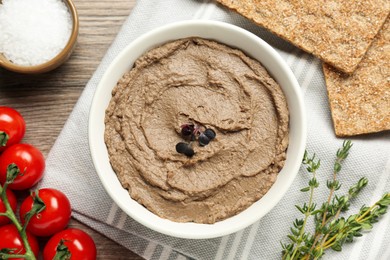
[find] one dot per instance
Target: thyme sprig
(331, 229)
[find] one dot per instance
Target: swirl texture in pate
(207, 83)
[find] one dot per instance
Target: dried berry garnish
(189, 152)
(181, 147)
(187, 130)
(210, 133)
(193, 132)
(203, 139)
(185, 149)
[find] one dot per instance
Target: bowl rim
(57, 60)
(192, 230)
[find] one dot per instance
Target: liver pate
(199, 81)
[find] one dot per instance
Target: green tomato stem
(37, 207)
(3, 135)
(7, 256)
(11, 215)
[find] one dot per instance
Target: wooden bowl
(57, 60)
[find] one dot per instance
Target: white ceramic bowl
(235, 37)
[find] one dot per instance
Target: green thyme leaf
(305, 189)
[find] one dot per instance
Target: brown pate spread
(204, 82)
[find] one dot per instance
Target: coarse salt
(33, 32)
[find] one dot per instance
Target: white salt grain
(33, 32)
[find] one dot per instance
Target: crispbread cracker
(360, 103)
(339, 32)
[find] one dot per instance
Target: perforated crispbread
(339, 32)
(360, 103)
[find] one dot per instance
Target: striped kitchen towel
(369, 157)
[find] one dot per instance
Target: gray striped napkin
(70, 168)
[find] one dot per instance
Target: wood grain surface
(46, 100)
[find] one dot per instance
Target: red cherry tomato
(12, 201)
(11, 239)
(54, 218)
(12, 127)
(30, 162)
(79, 243)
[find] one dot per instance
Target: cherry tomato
(11, 239)
(54, 218)
(30, 162)
(12, 201)
(79, 243)
(12, 127)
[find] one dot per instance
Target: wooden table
(46, 100)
